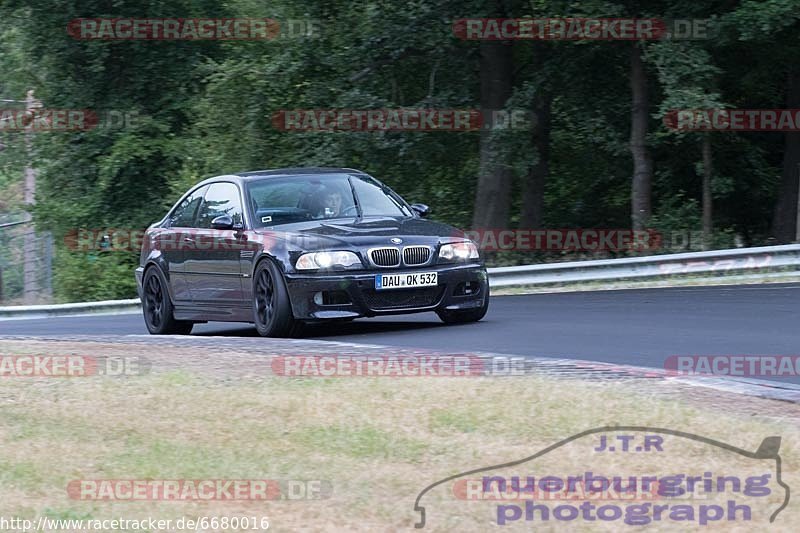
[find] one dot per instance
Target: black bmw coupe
(279, 248)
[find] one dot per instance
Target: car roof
(242, 177)
(297, 171)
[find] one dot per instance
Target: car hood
(363, 232)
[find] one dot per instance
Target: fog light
(468, 288)
(332, 298)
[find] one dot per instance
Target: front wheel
(464, 316)
(157, 307)
(272, 310)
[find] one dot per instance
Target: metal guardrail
(741, 263)
(76, 309)
(735, 265)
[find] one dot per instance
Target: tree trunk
(532, 211)
(641, 185)
(30, 271)
(494, 182)
(784, 219)
(707, 200)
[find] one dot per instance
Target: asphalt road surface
(634, 327)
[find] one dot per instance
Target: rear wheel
(464, 316)
(157, 306)
(272, 310)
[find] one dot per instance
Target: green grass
(358, 442)
(379, 441)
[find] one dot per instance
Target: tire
(465, 316)
(157, 306)
(272, 310)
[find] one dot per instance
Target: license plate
(406, 281)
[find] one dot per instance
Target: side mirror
(421, 209)
(223, 222)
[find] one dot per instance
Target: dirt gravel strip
(231, 358)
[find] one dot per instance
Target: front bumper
(364, 300)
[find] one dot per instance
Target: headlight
(322, 260)
(458, 251)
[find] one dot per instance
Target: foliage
(205, 108)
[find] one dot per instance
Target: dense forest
(598, 151)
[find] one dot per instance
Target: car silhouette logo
(396, 241)
(768, 450)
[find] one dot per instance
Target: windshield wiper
(355, 198)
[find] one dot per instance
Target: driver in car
(330, 204)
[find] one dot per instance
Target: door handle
(187, 243)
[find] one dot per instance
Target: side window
(221, 199)
(184, 215)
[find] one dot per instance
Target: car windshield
(276, 201)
